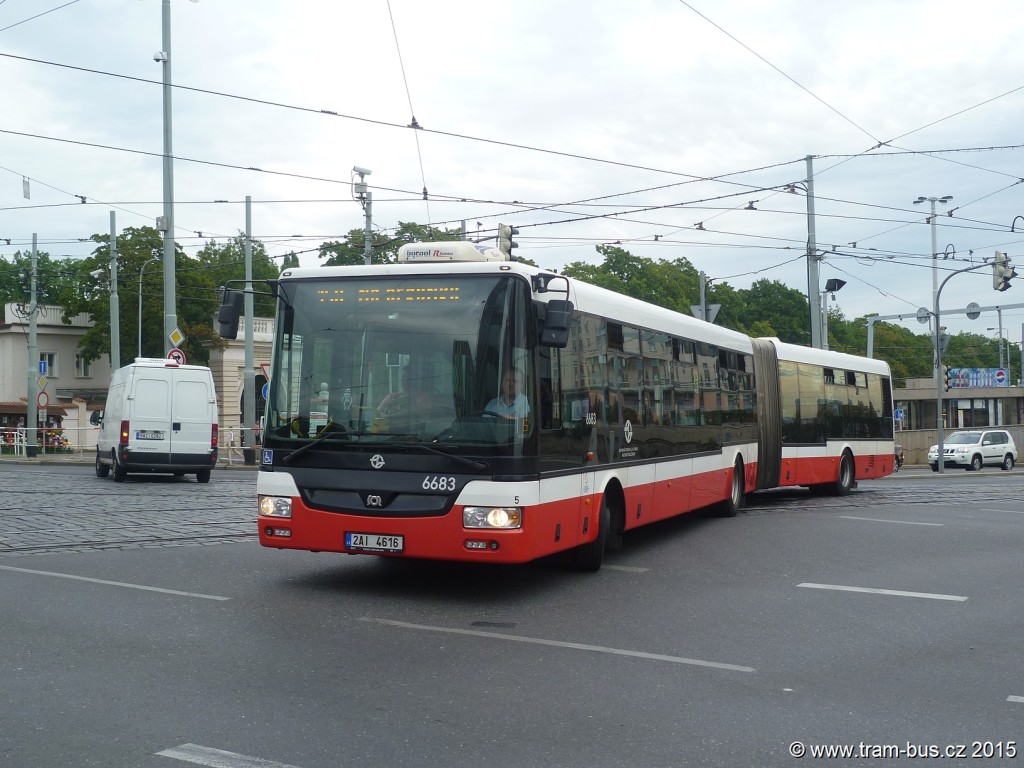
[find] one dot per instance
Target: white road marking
(897, 522)
(113, 583)
(218, 758)
(561, 644)
(629, 568)
(1016, 699)
(895, 592)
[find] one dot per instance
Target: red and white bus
(460, 406)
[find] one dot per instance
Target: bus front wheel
(589, 556)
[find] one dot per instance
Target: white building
(75, 388)
(71, 386)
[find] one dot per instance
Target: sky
(670, 128)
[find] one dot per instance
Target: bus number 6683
(438, 483)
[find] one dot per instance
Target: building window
(83, 367)
(50, 361)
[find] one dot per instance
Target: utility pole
(813, 292)
(115, 306)
(935, 263)
(249, 382)
(31, 411)
(703, 296)
(170, 298)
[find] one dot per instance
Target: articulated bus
(461, 406)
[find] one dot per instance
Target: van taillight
(213, 436)
(124, 432)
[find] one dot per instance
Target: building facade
(980, 400)
(74, 388)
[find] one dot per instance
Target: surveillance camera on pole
(1002, 272)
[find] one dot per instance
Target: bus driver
(510, 403)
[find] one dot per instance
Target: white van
(160, 417)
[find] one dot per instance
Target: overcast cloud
(625, 97)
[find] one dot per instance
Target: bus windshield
(435, 360)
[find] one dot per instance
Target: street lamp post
(142, 269)
(1000, 342)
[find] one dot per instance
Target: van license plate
(374, 542)
(149, 434)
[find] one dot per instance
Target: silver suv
(974, 449)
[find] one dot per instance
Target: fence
(80, 442)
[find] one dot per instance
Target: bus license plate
(149, 434)
(374, 542)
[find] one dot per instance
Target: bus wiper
(477, 465)
(329, 427)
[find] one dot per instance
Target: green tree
(670, 284)
(139, 263)
(52, 277)
(784, 308)
(226, 262)
(383, 247)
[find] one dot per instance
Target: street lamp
(141, 270)
(831, 286)
(1001, 358)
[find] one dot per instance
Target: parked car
(976, 448)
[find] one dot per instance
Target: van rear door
(192, 416)
(149, 416)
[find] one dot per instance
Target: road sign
(42, 400)
(42, 382)
(265, 368)
(177, 356)
(265, 391)
(712, 311)
(898, 414)
(176, 337)
(42, 367)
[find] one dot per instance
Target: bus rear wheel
(589, 556)
(844, 483)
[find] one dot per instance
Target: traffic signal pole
(940, 459)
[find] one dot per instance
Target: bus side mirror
(557, 316)
(229, 314)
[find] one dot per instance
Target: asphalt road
(143, 626)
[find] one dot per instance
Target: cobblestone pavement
(64, 507)
(59, 505)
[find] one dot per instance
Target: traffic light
(1002, 272)
(948, 377)
(505, 241)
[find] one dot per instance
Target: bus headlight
(492, 517)
(275, 506)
